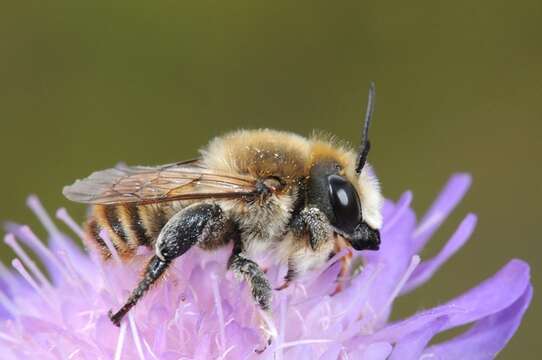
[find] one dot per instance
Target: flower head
(201, 312)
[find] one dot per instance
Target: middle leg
(248, 270)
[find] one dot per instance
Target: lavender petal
(412, 345)
(487, 337)
(489, 297)
(448, 199)
(426, 269)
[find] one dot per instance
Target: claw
(264, 347)
(269, 330)
(283, 286)
(346, 261)
(338, 288)
(115, 319)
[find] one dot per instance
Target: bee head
(338, 198)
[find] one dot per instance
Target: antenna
(365, 143)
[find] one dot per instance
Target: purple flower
(200, 312)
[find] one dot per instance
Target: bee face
(338, 199)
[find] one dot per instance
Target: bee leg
(246, 269)
(313, 221)
(154, 269)
(309, 220)
(201, 224)
(290, 276)
(346, 261)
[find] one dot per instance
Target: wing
(146, 185)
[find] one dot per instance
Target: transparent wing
(145, 185)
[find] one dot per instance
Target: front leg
(311, 221)
(200, 224)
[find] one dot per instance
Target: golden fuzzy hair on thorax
(265, 152)
(259, 153)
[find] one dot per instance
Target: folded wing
(146, 185)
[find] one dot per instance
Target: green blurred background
(85, 85)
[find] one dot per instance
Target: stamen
(63, 215)
(149, 350)
(30, 239)
(7, 337)
(74, 277)
(37, 208)
(55, 235)
(9, 239)
(74, 353)
(7, 277)
(8, 305)
(282, 325)
(219, 312)
(135, 335)
(301, 319)
(269, 325)
(225, 353)
(120, 341)
(105, 237)
(20, 268)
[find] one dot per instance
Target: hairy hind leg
(201, 224)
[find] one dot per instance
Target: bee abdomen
(127, 226)
(123, 225)
(133, 226)
(92, 230)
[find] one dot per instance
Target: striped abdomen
(127, 226)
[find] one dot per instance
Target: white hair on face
(371, 197)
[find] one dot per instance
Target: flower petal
(412, 345)
(492, 295)
(489, 297)
(426, 269)
(376, 351)
(397, 211)
(58, 240)
(332, 353)
(200, 312)
(448, 199)
(487, 337)
(391, 261)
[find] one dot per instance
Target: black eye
(345, 203)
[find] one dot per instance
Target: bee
(265, 191)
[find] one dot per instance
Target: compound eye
(345, 202)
